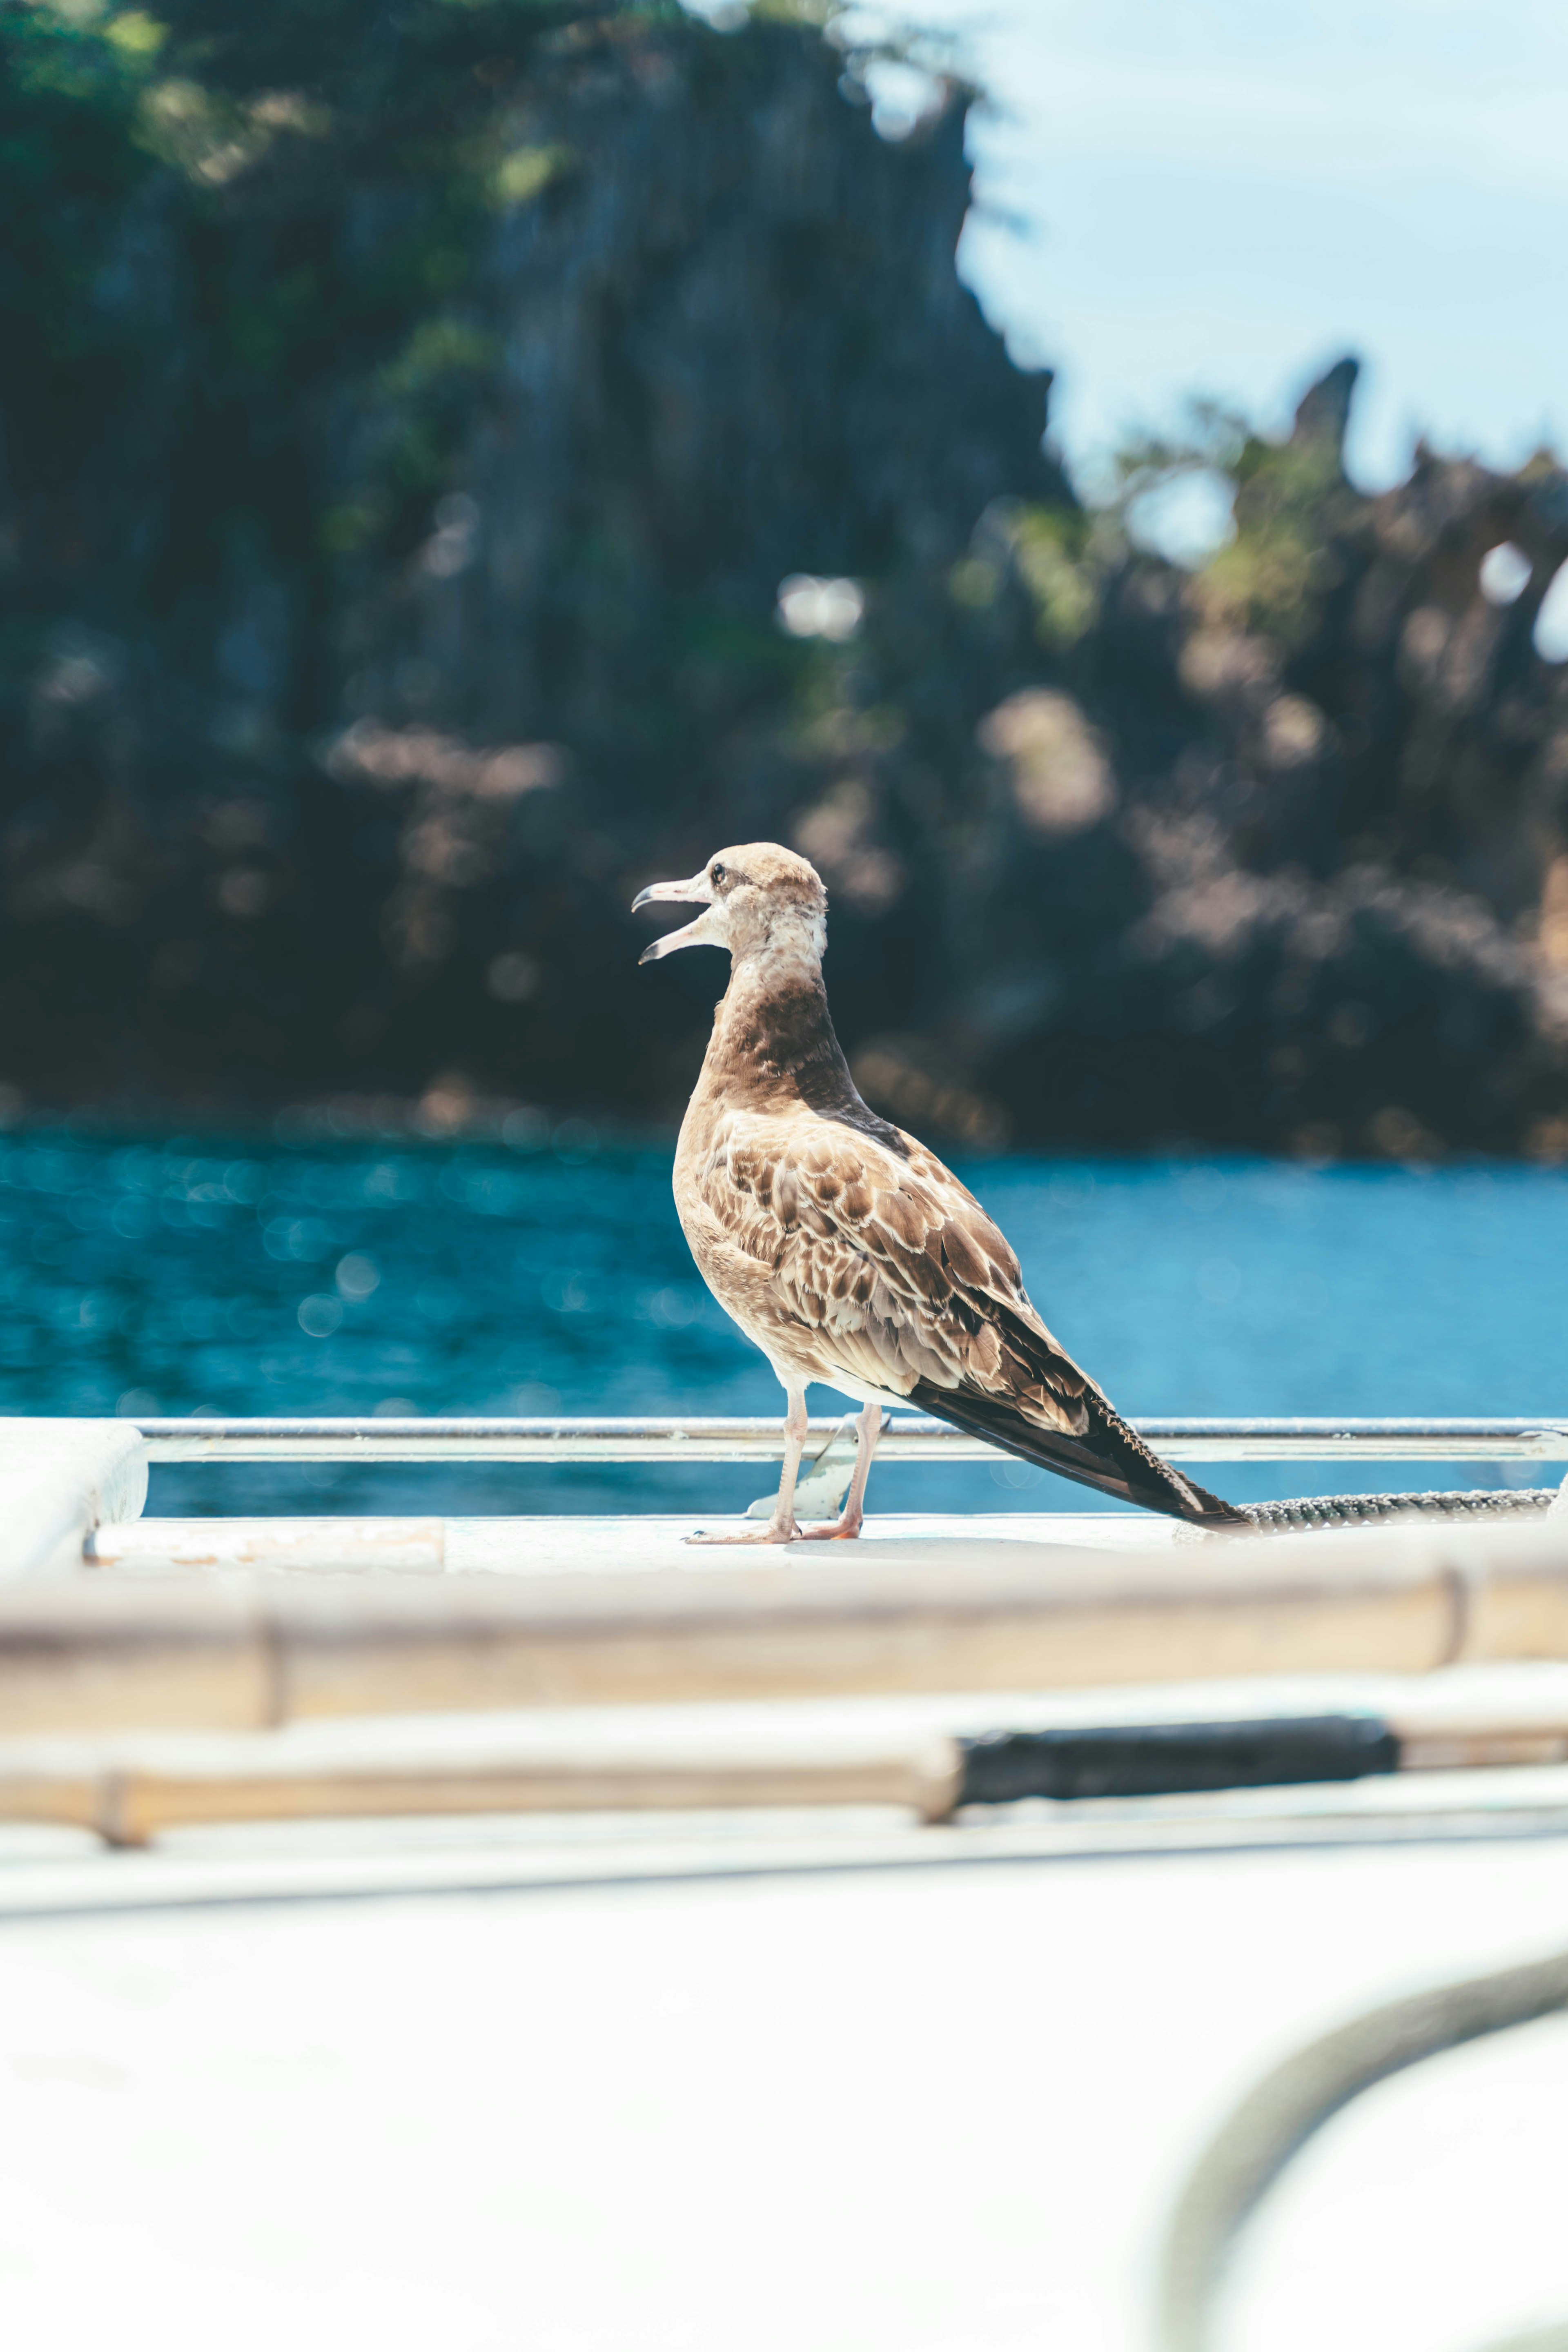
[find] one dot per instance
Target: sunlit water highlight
(191, 1274)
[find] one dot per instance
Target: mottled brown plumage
(840, 1244)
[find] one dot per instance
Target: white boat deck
(542, 1544)
(659, 2087)
(689, 2081)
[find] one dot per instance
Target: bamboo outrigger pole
(95, 1653)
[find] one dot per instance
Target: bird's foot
(842, 1531)
(768, 1535)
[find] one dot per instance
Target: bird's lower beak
(691, 935)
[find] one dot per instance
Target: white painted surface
(59, 1480)
(924, 2111)
(1427, 2218)
(537, 1544)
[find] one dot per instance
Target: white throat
(790, 947)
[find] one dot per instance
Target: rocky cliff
(1275, 852)
(409, 419)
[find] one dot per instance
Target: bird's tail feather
(1109, 1455)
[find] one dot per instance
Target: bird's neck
(772, 1041)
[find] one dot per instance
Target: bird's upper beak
(696, 934)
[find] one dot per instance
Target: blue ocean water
(194, 1274)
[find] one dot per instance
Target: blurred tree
(457, 460)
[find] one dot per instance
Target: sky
(1222, 197)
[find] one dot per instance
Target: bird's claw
(749, 1536)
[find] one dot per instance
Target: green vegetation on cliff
(408, 416)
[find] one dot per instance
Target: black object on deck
(1152, 1760)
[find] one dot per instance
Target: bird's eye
(716, 874)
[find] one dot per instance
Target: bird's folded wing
(882, 1266)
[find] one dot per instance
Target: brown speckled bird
(841, 1245)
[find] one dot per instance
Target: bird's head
(757, 900)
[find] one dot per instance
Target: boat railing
(116, 1628)
(696, 1437)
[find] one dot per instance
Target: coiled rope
(1277, 2118)
(1308, 1512)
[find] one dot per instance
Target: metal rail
(907, 1438)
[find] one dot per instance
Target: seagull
(842, 1248)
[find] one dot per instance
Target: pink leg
(854, 1514)
(781, 1528)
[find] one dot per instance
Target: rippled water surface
(194, 1274)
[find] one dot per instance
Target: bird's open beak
(691, 935)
